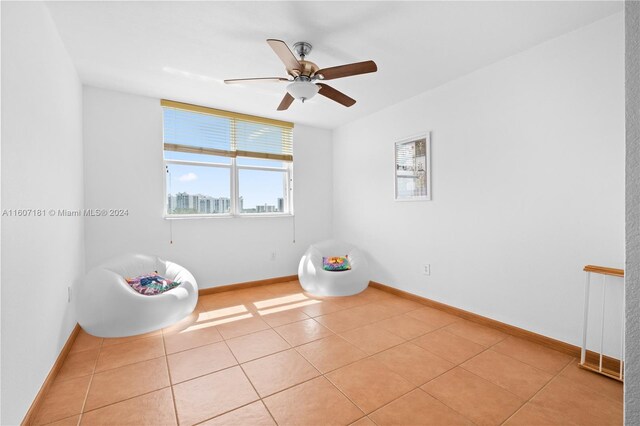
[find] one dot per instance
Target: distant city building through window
(222, 163)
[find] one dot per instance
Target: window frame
(286, 159)
(234, 188)
(287, 190)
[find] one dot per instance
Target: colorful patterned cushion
(336, 263)
(151, 284)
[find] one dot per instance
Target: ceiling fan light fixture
(305, 73)
(303, 90)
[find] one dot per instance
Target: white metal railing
(584, 363)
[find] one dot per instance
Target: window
(220, 163)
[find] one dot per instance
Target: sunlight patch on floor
(231, 319)
(280, 301)
(195, 327)
(220, 313)
(288, 307)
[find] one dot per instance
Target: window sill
(224, 216)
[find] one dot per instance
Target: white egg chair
(316, 281)
(107, 306)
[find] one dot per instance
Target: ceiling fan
(305, 74)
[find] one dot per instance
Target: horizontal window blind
(196, 129)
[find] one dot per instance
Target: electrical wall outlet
(69, 294)
(426, 269)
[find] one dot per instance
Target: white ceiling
(183, 50)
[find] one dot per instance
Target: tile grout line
(495, 384)
(363, 325)
(108, 369)
(131, 397)
(288, 387)
(262, 356)
(506, 336)
(531, 365)
(203, 375)
(199, 422)
(173, 395)
(486, 348)
(137, 337)
(125, 399)
(419, 388)
(59, 420)
(592, 388)
(490, 348)
(337, 368)
(128, 364)
(518, 396)
(415, 387)
(191, 348)
(460, 366)
(445, 404)
(86, 396)
(324, 376)
(526, 363)
(252, 385)
(354, 403)
(372, 357)
(539, 390)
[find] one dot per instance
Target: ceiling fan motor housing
(308, 68)
(302, 48)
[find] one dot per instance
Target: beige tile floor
(274, 355)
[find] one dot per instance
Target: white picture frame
(412, 168)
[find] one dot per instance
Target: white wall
(41, 169)
(124, 169)
(528, 184)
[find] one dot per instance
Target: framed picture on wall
(413, 168)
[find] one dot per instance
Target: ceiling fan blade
(335, 95)
(256, 80)
(285, 54)
(348, 70)
(286, 101)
